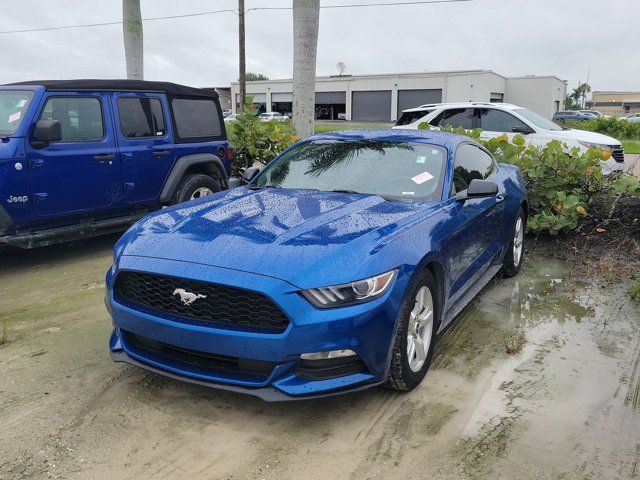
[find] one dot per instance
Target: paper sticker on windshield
(14, 117)
(421, 178)
(22, 103)
(421, 159)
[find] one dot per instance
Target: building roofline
(383, 75)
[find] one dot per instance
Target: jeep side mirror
(249, 174)
(478, 189)
(48, 131)
(523, 129)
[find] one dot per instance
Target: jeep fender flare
(205, 161)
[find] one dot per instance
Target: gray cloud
(512, 37)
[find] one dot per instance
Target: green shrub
(560, 183)
(613, 127)
(256, 141)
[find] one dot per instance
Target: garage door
(331, 98)
(415, 98)
(371, 106)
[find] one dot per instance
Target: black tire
(510, 268)
(401, 376)
(191, 183)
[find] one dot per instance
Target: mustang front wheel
(515, 251)
(415, 336)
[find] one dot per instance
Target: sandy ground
(567, 407)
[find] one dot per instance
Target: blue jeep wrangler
(80, 158)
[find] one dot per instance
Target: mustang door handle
(161, 153)
(102, 158)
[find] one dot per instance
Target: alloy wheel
(518, 240)
(420, 329)
(201, 192)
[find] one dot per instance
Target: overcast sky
(512, 37)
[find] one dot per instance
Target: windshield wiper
(256, 187)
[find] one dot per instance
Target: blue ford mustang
(332, 270)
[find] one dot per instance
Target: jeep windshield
(390, 169)
(13, 107)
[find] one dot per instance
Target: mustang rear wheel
(415, 337)
(515, 252)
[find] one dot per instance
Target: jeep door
(79, 173)
(145, 144)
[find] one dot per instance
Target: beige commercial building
(616, 104)
(381, 98)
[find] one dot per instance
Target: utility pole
(241, 42)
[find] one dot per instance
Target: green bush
(613, 127)
(561, 184)
(256, 141)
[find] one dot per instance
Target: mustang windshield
(400, 170)
(13, 107)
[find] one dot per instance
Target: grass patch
(514, 341)
(4, 330)
(322, 128)
(631, 146)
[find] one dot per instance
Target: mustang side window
(80, 118)
(141, 117)
(471, 163)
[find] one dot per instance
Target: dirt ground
(566, 407)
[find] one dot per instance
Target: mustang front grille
(200, 302)
(193, 358)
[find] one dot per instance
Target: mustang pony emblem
(187, 298)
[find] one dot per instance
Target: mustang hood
(275, 232)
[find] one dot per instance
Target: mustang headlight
(351, 293)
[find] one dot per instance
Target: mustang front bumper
(257, 363)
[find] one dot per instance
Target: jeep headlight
(350, 293)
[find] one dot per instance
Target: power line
(388, 4)
(199, 14)
(86, 25)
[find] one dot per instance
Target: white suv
(496, 119)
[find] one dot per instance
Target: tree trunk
(306, 16)
(133, 41)
(242, 78)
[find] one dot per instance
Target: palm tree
(133, 41)
(306, 16)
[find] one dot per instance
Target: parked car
(276, 116)
(80, 158)
(502, 118)
(232, 117)
(634, 118)
(332, 270)
(226, 113)
(593, 113)
(573, 115)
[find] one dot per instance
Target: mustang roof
(126, 85)
(448, 140)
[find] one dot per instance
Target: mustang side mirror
(47, 131)
(249, 174)
(523, 129)
(478, 189)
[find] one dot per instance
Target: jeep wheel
(195, 186)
